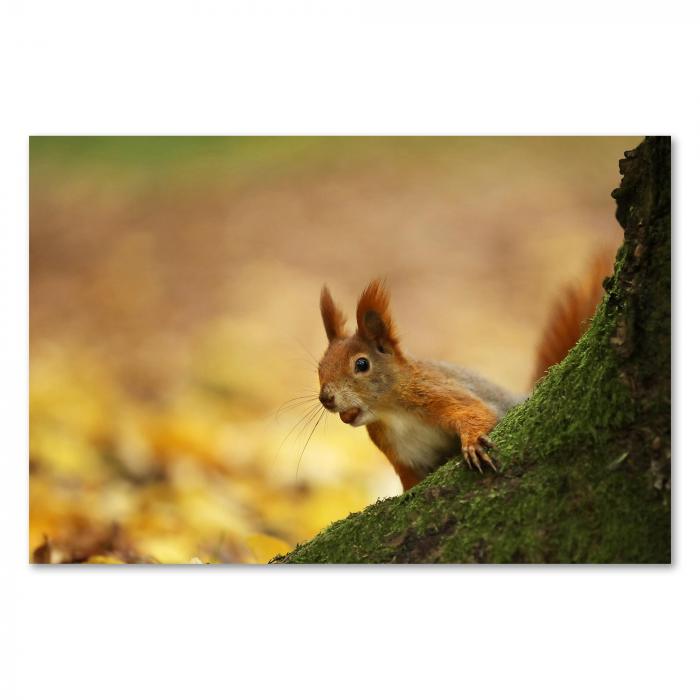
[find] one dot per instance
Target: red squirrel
(420, 413)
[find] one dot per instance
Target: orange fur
(468, 416)
(374, 322)
(333, 318)
(570, 315)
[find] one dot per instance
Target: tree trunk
(586, 466)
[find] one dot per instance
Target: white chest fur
(417, 444)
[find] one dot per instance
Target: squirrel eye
(361, 364)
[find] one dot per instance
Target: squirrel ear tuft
(374, 322)
(333, 317)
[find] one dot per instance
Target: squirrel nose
(326, 398)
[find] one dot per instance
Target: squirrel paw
(477, 457)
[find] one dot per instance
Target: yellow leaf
(102, 559)
(265, 547)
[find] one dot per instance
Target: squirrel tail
(571, 314)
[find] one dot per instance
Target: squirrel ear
(333, 318)
(374, 319)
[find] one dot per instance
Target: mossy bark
(586, 468)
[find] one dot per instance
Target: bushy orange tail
(571, 314)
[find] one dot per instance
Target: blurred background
(174, 324)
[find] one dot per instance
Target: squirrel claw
(475, 457)
(485, 441)
(484, 456)
(467, 460)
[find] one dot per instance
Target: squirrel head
(357, 372)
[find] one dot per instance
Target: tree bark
(586, 467)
